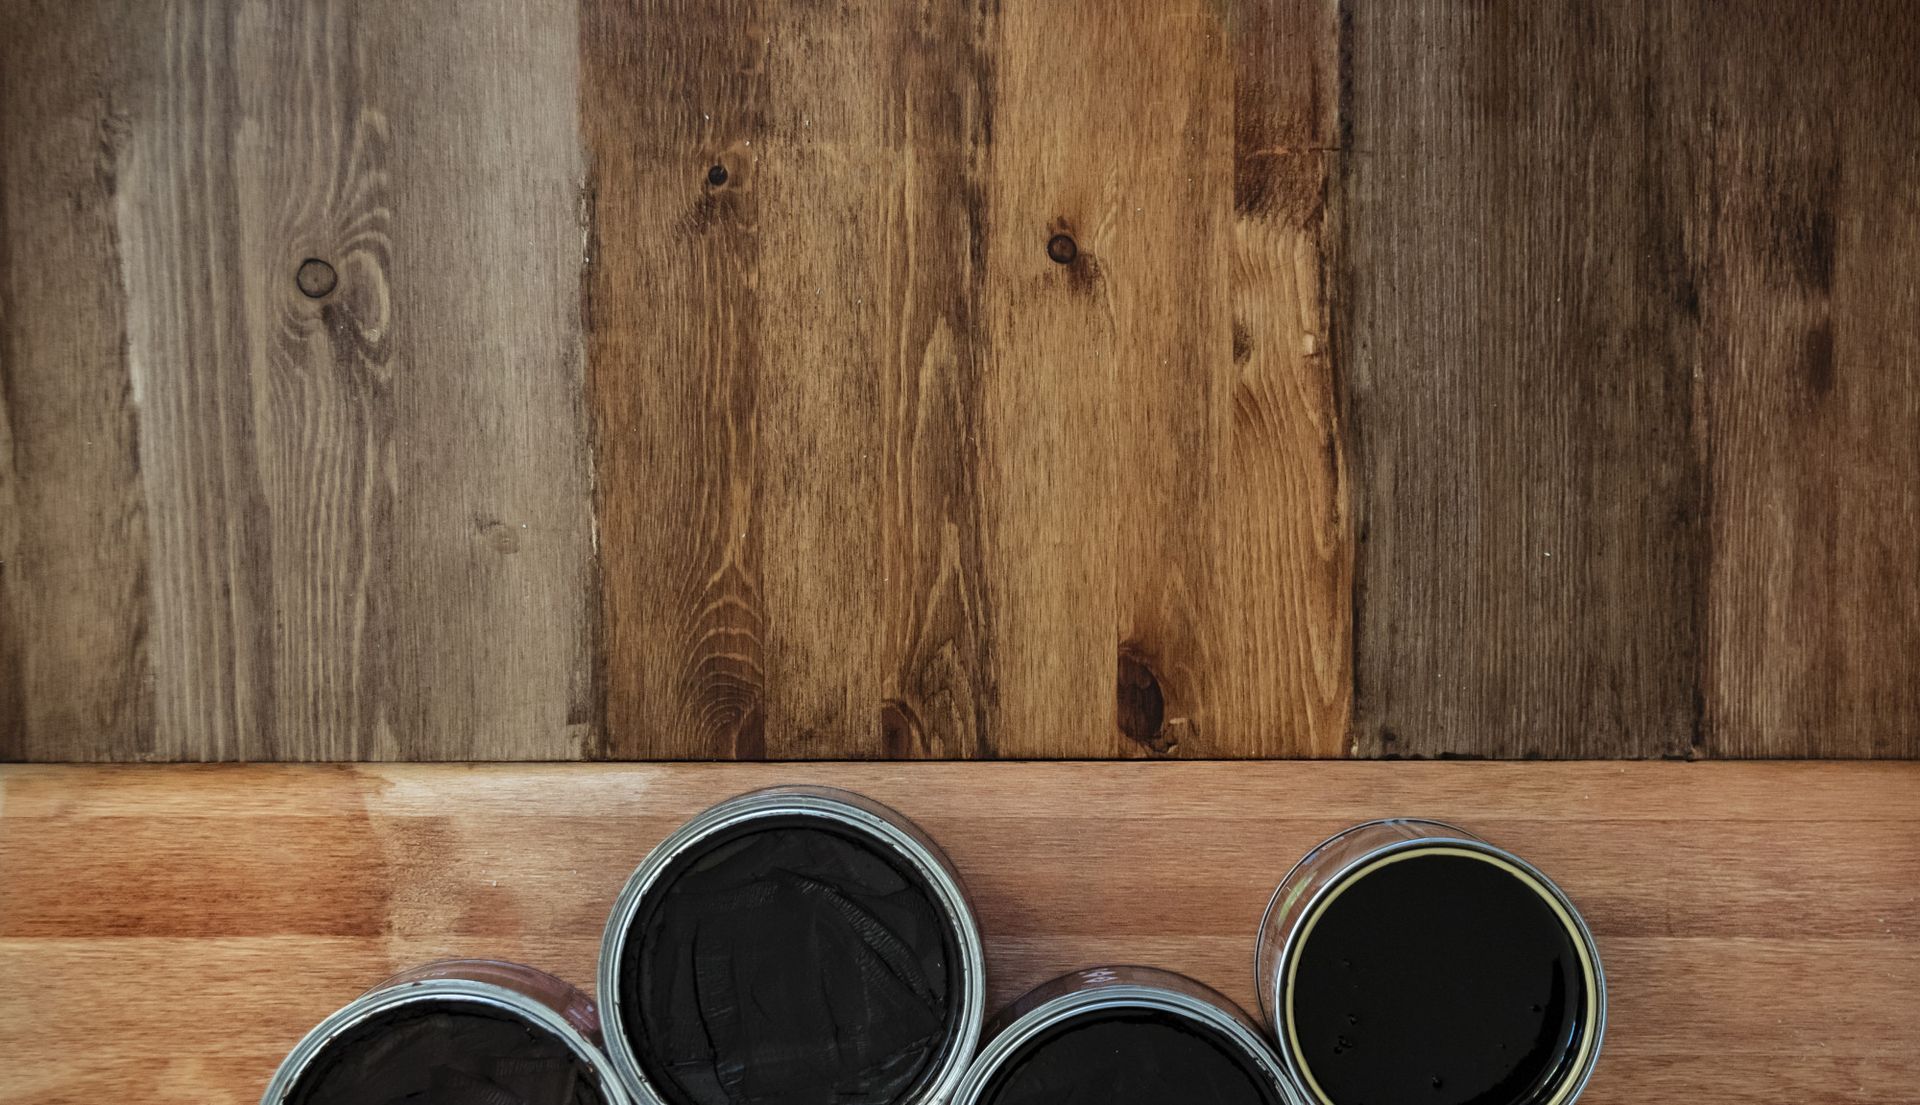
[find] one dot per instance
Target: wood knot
(1242, 342)
(1079, 268)
(316, 278)
(1142, 705)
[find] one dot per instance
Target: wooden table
(692, 379)
(167, 933)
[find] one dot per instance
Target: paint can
(1410, 960)
(446, 1028)
(793, 941)
(1123, 1034)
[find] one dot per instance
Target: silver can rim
(845, 808)
(436, 991)
(1446, 834)
(1181, 996)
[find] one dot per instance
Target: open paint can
(1123, 1036)
(1410, 960)
(793, 944)
(451, 1033)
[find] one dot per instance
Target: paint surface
(1439, 979)
(1129, 1057)
(446, 1053)
(790, 964)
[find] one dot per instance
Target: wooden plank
(73, 517)
(877, 475)
(937, 631)
(671, 98)
(1517, 366)
(1629, 371)
(489, 628)
(1812, 365)
(1285, 539)
(261, 519)
(1757, 921)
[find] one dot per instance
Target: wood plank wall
(976, 378)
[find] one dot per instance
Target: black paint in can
(1408, 961)
(790, 947)
(454, 1032)
(1123, 1036)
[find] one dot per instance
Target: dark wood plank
(1755, 920)
(1810, 241)
(1629, 367)
(266, 521)
(1518, 384)
(877, 474)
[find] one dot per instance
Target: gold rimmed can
(1410, 960)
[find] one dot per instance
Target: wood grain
(877, 474)
(74, 622)
(245, 521)
(1629, 360)
(1811, 355)
(1518, 377)
(1756, 921)
(688, 379)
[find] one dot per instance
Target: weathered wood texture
(971, 378)
(961, 381)
(1757, 922)
(1630, 345)
(242, 522)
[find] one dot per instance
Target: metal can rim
(466, 991)
(1260, 989)
(857, 811)
(1269, 991)
(1141, 988)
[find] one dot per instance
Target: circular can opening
(1124, 1036)
(434, 1038)
(1418, 963)
(793, 945)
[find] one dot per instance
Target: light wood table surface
(167, 933)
